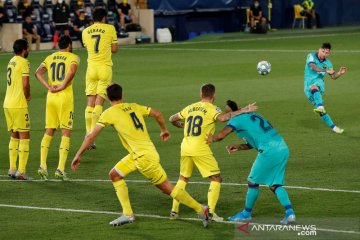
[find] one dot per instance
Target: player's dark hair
(99, 14)
(114, 92)
(326, 46)
(207, 90)
(20, 45)
(232, 105)
(64, 42)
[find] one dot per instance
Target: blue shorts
(269, 165)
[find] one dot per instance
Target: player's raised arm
(164, 135)
(341, 72)
(227, 116)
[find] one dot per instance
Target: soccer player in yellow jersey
(61, 67)
(128, 120)
(16, 109)
(199, 121)
(100, 41)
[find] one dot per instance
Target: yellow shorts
(148, 165)
(17, 119)
(98, 78)
(59, 111)
(207, 165)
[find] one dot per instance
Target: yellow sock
(44, 150)
(88, 118)
(63, 152)
(13, 152)
(96, 115)
(213, 195)
(122, 193)
(23, 154)
(184, 198)
(176, 204)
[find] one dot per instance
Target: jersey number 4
(136, 121)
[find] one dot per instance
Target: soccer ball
(264, 67)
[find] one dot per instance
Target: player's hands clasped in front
(232, 148)
(165, 135)
(75, 163)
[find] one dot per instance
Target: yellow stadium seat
(297, 16)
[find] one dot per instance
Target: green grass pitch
(168, 77)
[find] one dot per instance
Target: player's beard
(26, 54)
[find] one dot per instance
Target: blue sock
(283, 198)
(317, 98)
(327, 120)
(251, 197)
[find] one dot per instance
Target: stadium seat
(48, 31)
(100, 3)
(37, 10)
(48, 9)
(297, 16)
(88, 7)
(19, 19)
(10, 10)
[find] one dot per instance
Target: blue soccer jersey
(255, 130)
(312, 77)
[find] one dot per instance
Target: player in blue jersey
(269, 165)
(317, 66)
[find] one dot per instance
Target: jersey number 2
(262, 123)
(136, 121)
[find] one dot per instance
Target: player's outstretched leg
(284, 200)
(184, 198)
(327, 119)
(251, 197)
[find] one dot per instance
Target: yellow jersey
(97, 39)
(58, 65)
(17, 68)
(200, 119)
(128, 121)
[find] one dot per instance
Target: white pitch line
(238, 50)
(152, 216)
(257, 39)
(200, 183)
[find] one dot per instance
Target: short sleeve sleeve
(104, 119)
(144, 110)
(25, 70)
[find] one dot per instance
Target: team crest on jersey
(324, 67)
